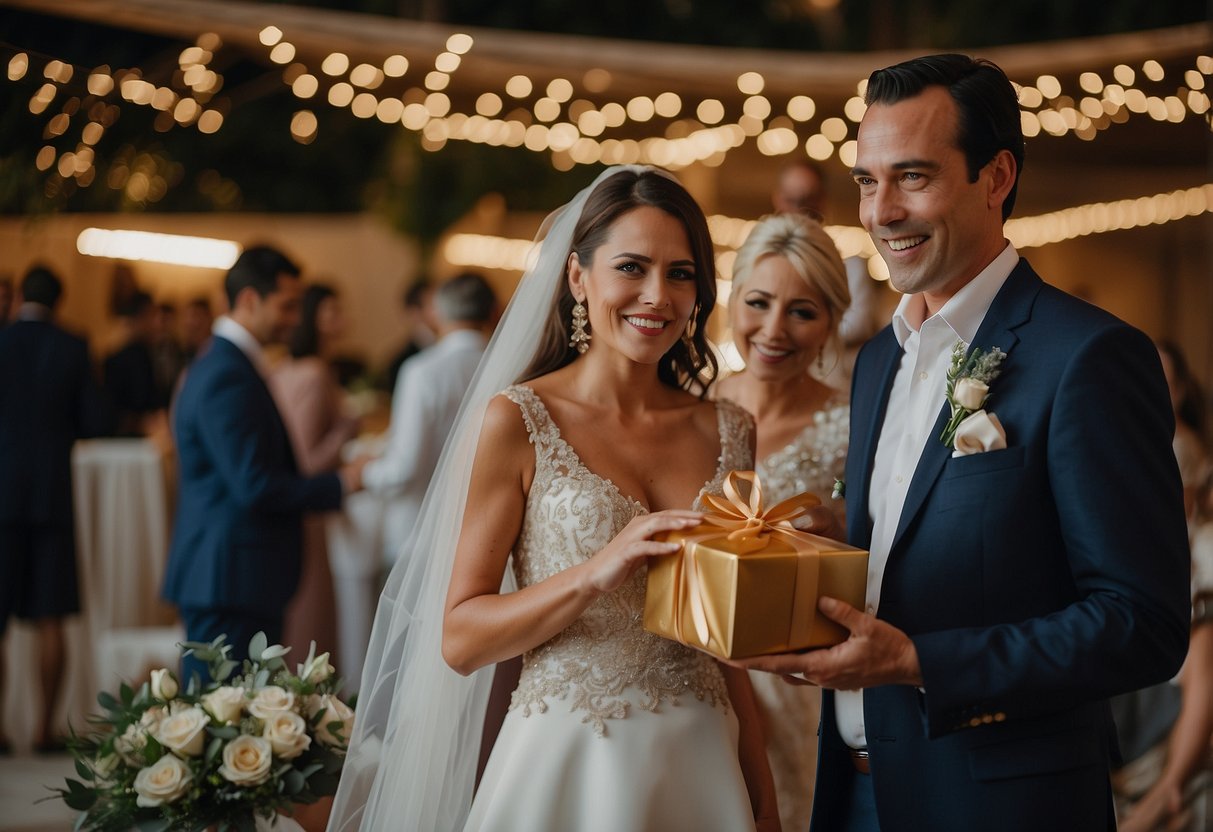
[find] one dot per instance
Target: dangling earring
(579, 338)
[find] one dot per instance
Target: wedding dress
(610, 728)
(791, 713)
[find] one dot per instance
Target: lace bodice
(605, 660)
(812, 460)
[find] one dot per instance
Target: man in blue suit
(48, 399)
(235, 557)
(1024, 570)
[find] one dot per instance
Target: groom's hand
(876, 653)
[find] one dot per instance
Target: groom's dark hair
(985, 99)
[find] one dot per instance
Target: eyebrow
(646, 259)
(767, 294)
(908, 164)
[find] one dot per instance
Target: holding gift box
(746, 582)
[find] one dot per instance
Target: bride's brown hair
(690, 364)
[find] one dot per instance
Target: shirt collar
(467, 337)
(227, 328)
(965, 310)
(30, 311)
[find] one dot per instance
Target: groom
(1010, 591)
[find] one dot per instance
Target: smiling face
(780, 323)
(640, 287)
(934, 228)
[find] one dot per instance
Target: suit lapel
(1012, 306)
(268, 402)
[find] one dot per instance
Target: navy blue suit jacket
(237, 537)
(1035, 581)
(48, 399)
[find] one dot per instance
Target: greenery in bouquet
(255, 740)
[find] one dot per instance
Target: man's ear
(576, 278)
(246, 300)
(1003, 171)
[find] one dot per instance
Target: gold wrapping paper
(746, 582)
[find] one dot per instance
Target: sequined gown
(791, 713)
(611, 728)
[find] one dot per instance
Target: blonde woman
(789, 293)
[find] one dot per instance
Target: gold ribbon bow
(749, 528)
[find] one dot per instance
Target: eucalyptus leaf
(227, 732)
(106, 700)
(213, 748)
(225, 670)
(257, 645)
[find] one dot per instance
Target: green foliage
(128, 739)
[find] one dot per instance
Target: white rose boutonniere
(968, 388)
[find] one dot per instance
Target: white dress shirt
(229, 330)
(429, 389)
(915, 401)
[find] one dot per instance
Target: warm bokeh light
(173, 249)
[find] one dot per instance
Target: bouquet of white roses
(256, 740)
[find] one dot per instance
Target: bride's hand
(619, 558)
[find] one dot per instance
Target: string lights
(573, 118)
(728, 233)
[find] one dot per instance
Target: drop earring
(580, 339)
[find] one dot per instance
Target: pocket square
(978, 433)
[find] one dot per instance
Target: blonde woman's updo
(811, 251)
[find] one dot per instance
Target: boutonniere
(970, 428)
(840, 489)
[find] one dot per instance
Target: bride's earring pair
(580, 339)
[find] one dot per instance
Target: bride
(601, 439)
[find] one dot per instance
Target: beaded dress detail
(571, 513)
(812, 460)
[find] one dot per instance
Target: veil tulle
(414, 749)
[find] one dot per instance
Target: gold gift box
(746, 583)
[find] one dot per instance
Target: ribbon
(749, 528)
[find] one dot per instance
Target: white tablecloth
(122, 532)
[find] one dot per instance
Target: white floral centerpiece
(256, 740)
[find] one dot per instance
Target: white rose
(104, 767)
(978, 433)
(184, 733)
(334, 711)
(970, 393)
(163, 782)
(246, 760)
(225, 703)
(270, 700)
(287, 733)
(130, 745)
(316, 670)
(164, 686)
(152, 718)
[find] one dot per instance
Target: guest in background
(427, 398)
(168, 357)
(236, 553)
(801, 189)
(196, 322)
(1166, 781)
(789, 294)
(312, 405)
(1188, 403)
(129, 375)
(6, 300)
(421, 326)
(48, 399)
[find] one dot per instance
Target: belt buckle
(860, 760)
